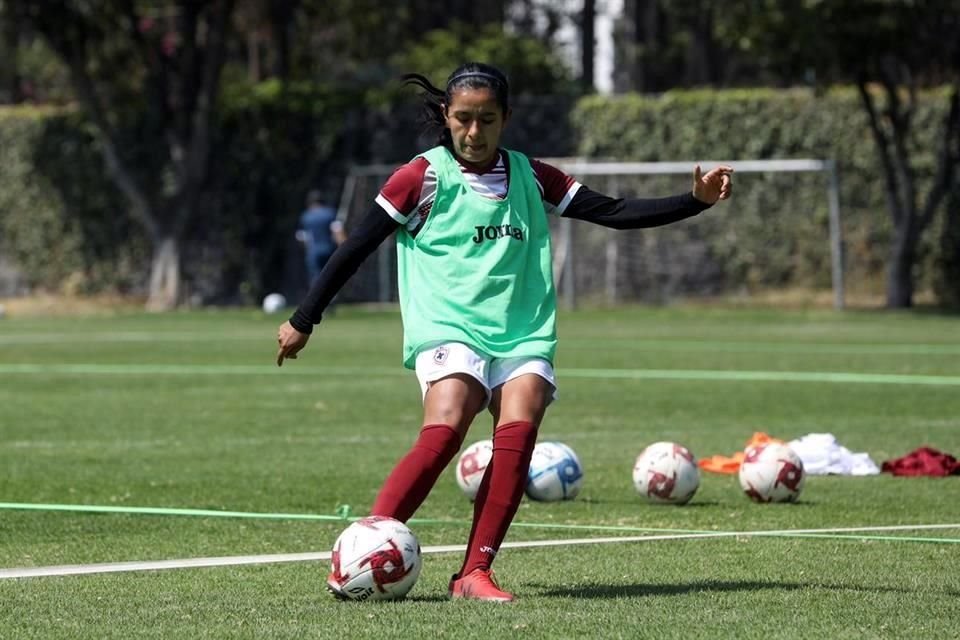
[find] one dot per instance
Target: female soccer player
(477, 296)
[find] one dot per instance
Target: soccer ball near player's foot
(771, 473)
(471, 465)
(666, 473)
(375, 558)
(555, 473)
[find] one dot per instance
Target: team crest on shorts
(440, 355)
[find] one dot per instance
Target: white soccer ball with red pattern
(666, 473)
(375, 558)
(772, 473)
(555, 473)
(471, 466)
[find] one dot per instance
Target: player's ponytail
(432, 118)
(472, 75)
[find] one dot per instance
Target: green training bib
(480, 270)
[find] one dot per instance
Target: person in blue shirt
(320, 233)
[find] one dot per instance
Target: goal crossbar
(586, 167)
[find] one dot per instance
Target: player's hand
(713, 185)
(291, 342)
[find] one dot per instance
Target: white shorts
(441, 360)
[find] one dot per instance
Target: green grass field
(188, 411)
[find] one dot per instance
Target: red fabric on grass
(925, 461)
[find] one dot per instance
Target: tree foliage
(160, 77)
(531, 67)
(890, 49)
(147, 74)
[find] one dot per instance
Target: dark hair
(472, 75)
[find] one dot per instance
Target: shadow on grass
(785, 505)
(701, 503)
(604, 591)
(390, 603)
(426, 598)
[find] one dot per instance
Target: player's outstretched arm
(642, 213)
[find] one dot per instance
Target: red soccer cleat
(478, 585)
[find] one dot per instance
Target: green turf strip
(636, 374)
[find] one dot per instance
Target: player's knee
(455, 399)
(524, 399)
(452, 415)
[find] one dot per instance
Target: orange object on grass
(731, 464)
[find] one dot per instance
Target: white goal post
(582, 167)
(363, 181)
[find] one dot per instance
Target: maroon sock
(408, 484)
(500, 492)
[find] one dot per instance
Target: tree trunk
(11, 39)
(900, 267)
(587, 45)
(947, 285)
(164, 275)
(282, 13)
(701, 59)
(253, 56)
(649, 40)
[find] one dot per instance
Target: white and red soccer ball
(375, 558)
(472, 465)
(666, 473)
(771, 472)
(555, 473)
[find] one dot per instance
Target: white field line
(188, 563)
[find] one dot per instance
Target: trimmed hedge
(762, 244)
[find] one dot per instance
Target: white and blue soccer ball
(472, 465)
(274, 302)
(375, 558)
(666, 473)
(555, 473)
